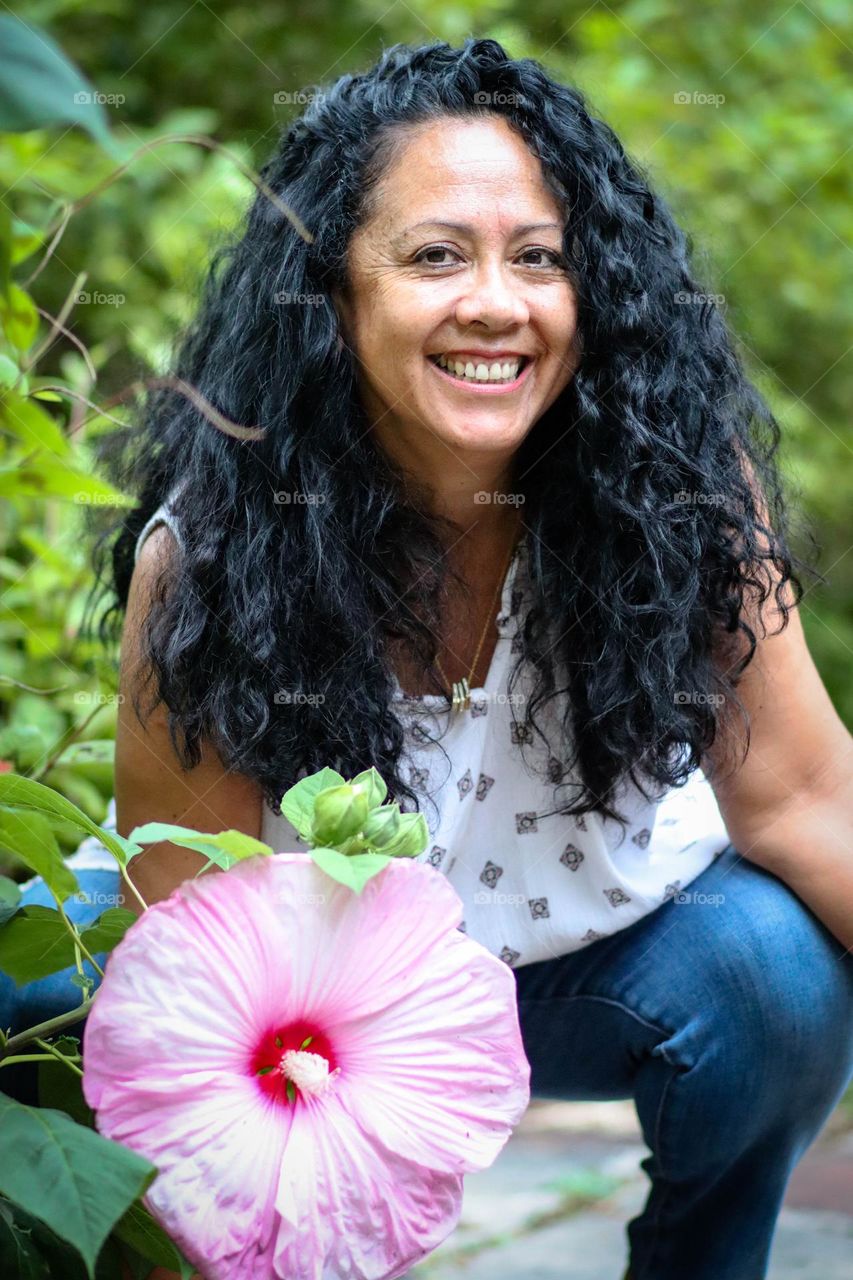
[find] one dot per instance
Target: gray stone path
(554, 1204)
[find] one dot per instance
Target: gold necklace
(461, 699)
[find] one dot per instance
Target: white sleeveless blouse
(534, 884)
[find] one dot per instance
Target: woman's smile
(482, 377)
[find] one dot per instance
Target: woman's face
(489, 289)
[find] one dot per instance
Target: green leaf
(19, 1254)
(9, 372)
(144, 1234)
(354, 870)
(41, 87)
(67, 1176)
(46, 476)
(34, 943)
(24, 793)
(32, 425)
(10, 896)
(108, 930)
(30, 837)
(18, 316)
(223, 848)
(297, 804)
(60, 1088)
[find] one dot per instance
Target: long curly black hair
(645, 535)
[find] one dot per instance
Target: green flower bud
(382, 826)
(374, 784)
(411, 839)
(339, 812)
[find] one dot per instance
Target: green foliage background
(761, 179)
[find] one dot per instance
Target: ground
(555, 1202)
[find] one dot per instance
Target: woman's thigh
(736, 973)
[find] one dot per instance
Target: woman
(492, 415)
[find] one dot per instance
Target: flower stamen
(309, 1072)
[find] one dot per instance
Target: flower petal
(349, 1210)
(440, 1075)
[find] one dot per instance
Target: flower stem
(48, 1028)
(75, 934)
(139, 898)
(25, 1057)
(55, 1053)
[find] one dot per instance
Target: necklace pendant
(461, 695)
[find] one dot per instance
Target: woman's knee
(768, 1042)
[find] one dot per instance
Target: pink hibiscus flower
(311, 1070)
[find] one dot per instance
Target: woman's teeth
(499, 371)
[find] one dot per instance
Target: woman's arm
(789, 807)
(151, 785)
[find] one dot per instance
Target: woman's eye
(556, 259)
(436, 248)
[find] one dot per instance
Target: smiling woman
(497, 416)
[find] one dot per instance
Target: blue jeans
(727, 1016)
(35, 1002)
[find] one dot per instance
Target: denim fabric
(35, 1002)
(726, 1014)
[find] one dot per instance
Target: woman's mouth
(493, 377)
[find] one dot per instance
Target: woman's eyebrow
(467, 229)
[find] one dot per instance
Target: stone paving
(554, 1204)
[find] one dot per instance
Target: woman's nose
(492, 298)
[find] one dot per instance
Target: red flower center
(265, 1064)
